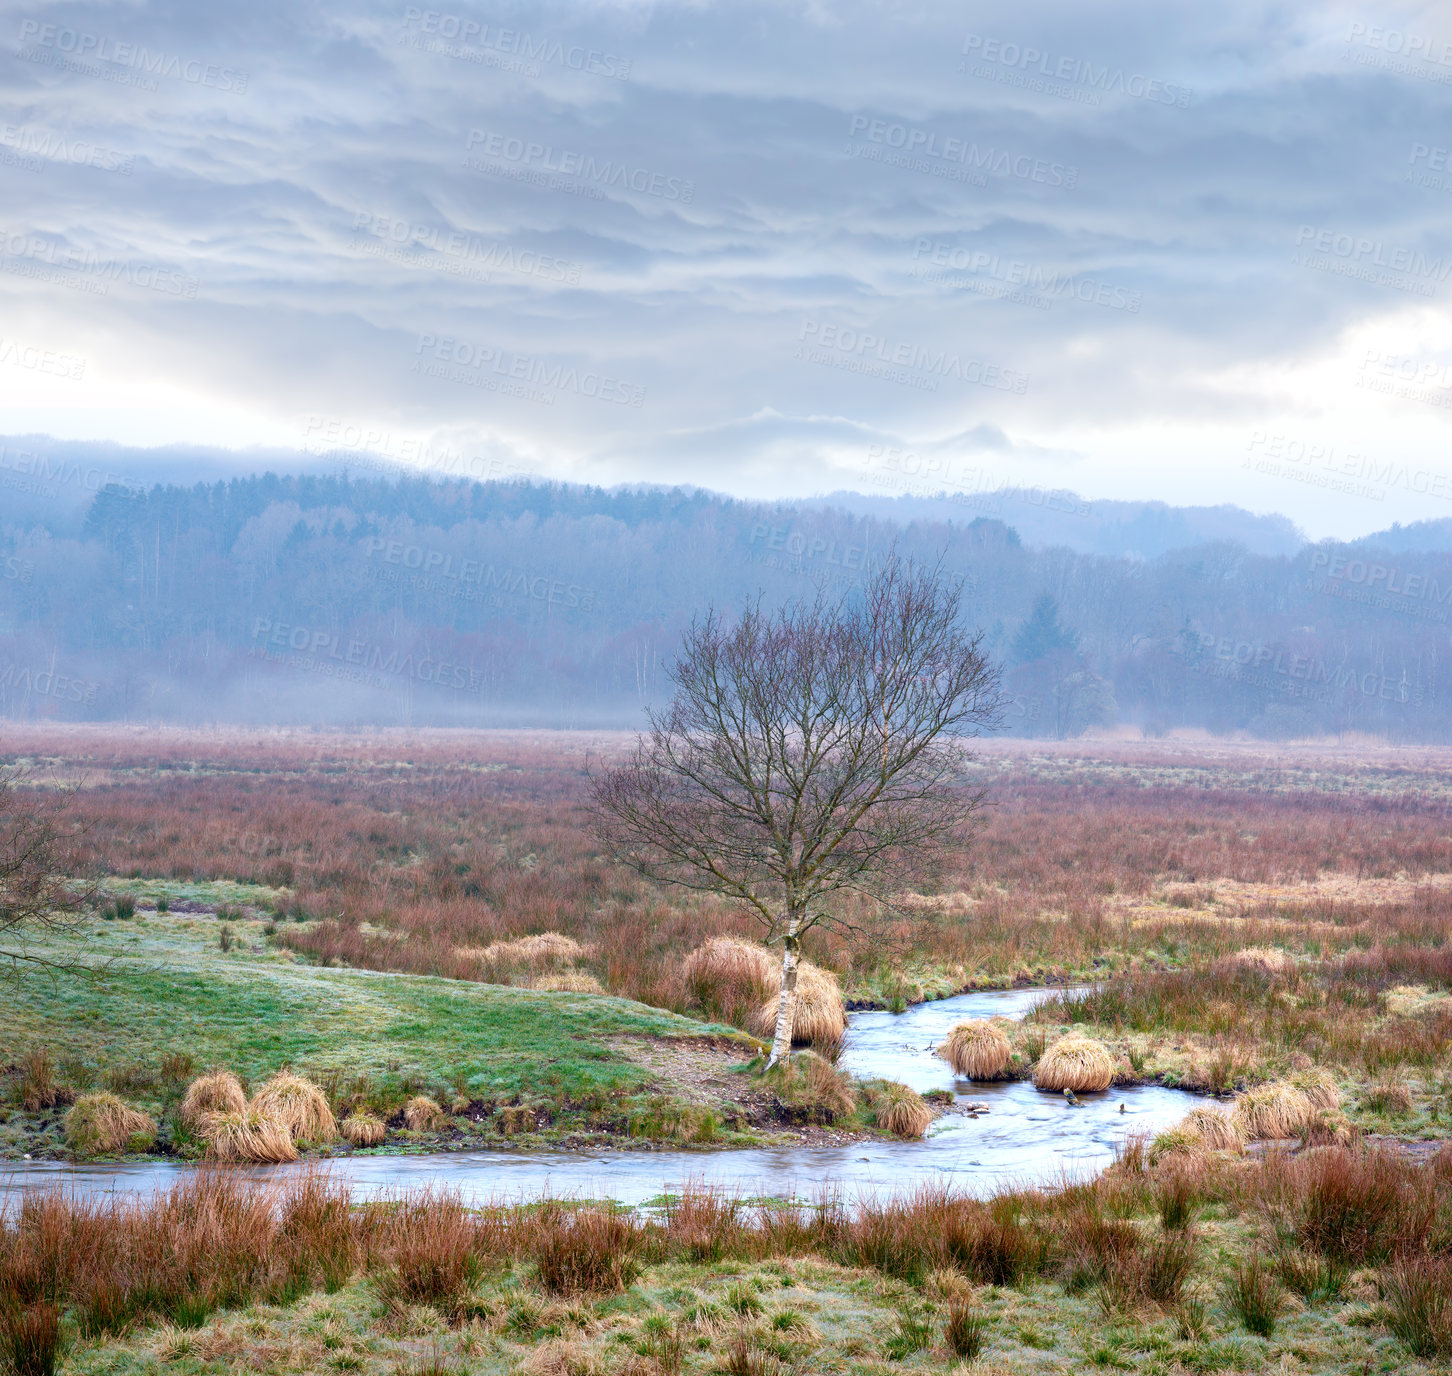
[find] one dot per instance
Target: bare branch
(811, 753)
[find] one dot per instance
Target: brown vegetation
(421, 851)
(215, 1239)
(363, 1129)
(1076, 1063)
(247, 1136)
(977, 1050)
(103, 1125)
(1217, 1131)
(898, 1109)
(299, 1105)
(422, 1114)
(218, 1092)
(819, 1017)
(1276, 1109)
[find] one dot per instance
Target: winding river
(1019, 1137)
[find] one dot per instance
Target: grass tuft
(423, 1114)
(1075, 1062)
(1254, 1295)
(898, 1109)
(103, 1125)
(363, 1129)
(586, 1251)
(219, 1092)
(248, 1136)
(964, 1330)
(299, 1105)
(977, 1050)
(1276, 1109)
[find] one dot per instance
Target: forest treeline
(336, 600)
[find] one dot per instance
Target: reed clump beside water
(897, 1109)
(363, 1129)
(298, 1105)
(218, 1092)
(1076, 1063)
(819, 1016)
(422, 1114)
(978, 1050)
(246, 1136)
(740, 982)
(104, 1125)
(1274, 1109)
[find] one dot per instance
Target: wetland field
(419, 926)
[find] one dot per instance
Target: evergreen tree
(1043, 634)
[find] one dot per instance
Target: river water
(1023, 1137)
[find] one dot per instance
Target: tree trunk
(786, 1007)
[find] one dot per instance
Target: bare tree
(809, 754)
(39, 862)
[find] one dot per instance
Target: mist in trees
(347, 601)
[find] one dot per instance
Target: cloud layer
(1141, 251)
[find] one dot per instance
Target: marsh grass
(707, 1267)
(1098, 860)
(103, 1125)
(1418, 1294)
(964, 1330)
(1253, 1294)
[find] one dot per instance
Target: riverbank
(139, 1004)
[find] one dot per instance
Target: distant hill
(169, 585)
(1058, 517)
(1419, 535)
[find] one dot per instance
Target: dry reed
(299, 1105)
(977, 1050)
(102, 1125)
(1077, 1063)
(218, 1092)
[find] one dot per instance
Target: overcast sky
(1196, 253)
